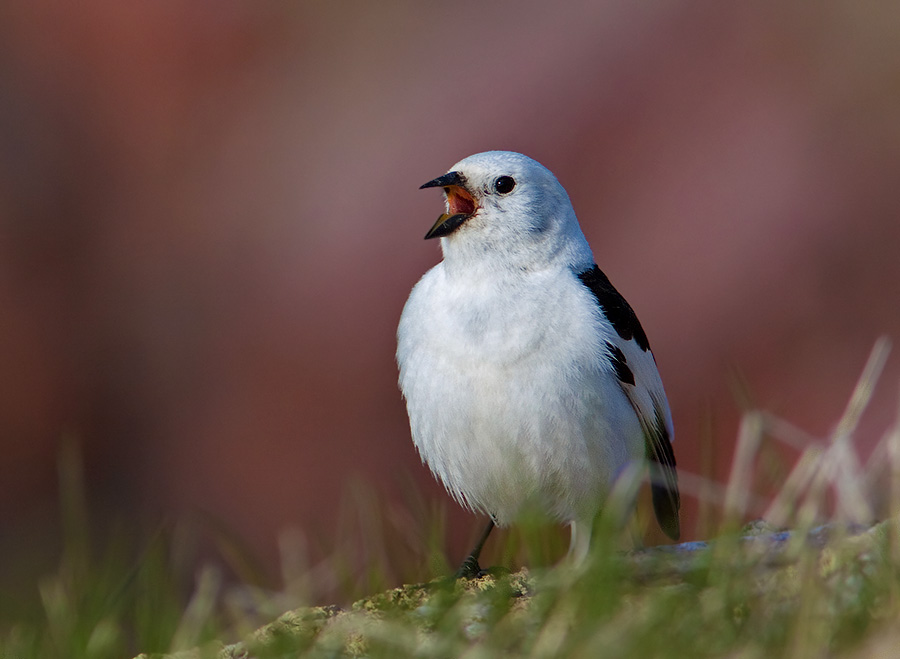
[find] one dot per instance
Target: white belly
(510, 398)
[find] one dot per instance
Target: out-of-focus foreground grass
(807, 593)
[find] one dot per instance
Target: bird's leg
(470, 569)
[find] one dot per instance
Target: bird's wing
(635, 368)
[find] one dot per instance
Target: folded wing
(635, 368)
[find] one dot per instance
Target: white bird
(527, 377)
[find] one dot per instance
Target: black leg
(470, 569)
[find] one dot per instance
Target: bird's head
(503, 205)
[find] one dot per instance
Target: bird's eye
(504, 184)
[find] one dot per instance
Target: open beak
(460, 203)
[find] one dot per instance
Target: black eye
(504, 184)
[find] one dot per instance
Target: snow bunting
(527, 377)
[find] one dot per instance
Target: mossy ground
(829, 592)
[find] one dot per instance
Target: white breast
(510, 398)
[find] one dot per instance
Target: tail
(663, 477)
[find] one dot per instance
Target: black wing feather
(617, 358)
(617, 310)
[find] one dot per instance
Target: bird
(527, 377)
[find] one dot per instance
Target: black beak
(446, 223)
(450, 178)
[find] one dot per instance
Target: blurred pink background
(209, 223)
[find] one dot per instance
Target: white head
(507, 210)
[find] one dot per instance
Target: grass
(813, 592)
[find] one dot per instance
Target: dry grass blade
(862, 393)
(737, 492)
(782, 508)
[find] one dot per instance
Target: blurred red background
(209, 224)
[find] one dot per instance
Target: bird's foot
(470, 569)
